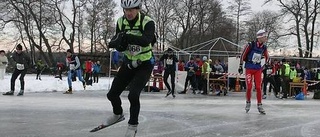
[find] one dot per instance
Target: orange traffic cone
(304, 89)
(237, 88)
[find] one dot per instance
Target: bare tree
(162, 13)
(238, 9)
(100, 17)
(26, 17)
(304, 15)
(268, 20)
(68, 23)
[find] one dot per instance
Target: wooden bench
(216, 82)
(219, 79)
(296, 85)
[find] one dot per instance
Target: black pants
(285, 85)
(95, 77)
(266, 80)
(204, 85)
(15, 75)
(165, 80)
(199, 82)
(192, 82)
(136, 79)
(88, 75)
(39, 71)
(59, 74)
(277, 83)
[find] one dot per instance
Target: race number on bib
(72, 67)
(269, 71)
(20, 66)
(256, 58)
(169, 61)
(134, 49)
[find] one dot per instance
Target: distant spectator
(60, 67)
(96, 71)
(40, 66)
(198, 80)
(191, 68)
(88, 71)
(181, 64)
(3, 64)
(218, 67)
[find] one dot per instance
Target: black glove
(240, 70)
(119, 42)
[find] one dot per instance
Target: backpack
(155, 35)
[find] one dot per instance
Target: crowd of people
(88, 74)
(199, 70)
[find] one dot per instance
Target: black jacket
(21, 58)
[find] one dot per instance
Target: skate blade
(102, 126)
(263, 113)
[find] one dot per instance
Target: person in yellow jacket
(205, 72)
(134, 37)
(285, 78)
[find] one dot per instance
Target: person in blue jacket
(96, 71)
(191, 67)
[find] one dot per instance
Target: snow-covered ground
(51, 84)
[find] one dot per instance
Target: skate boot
(20, 93)
(114, 119)
(8, 93)
(110, 121)
(260, 109)
(131, 131)
(174, 96)
(169, 92)
(69, 91)
(264, 97)
(84, 85)
(248, 105)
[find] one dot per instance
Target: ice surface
(43, 113)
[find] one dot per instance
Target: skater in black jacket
(170, 61)
(22, 63)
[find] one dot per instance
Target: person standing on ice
(252, 56)
(22, 62)
(3, 64)
(134, 37)
(73, 63)
(169, 60)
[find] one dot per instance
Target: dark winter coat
(21, 58)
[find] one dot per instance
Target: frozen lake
(53, 114)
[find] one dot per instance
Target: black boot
(8, 93)
(69, 91)
(20, 93)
